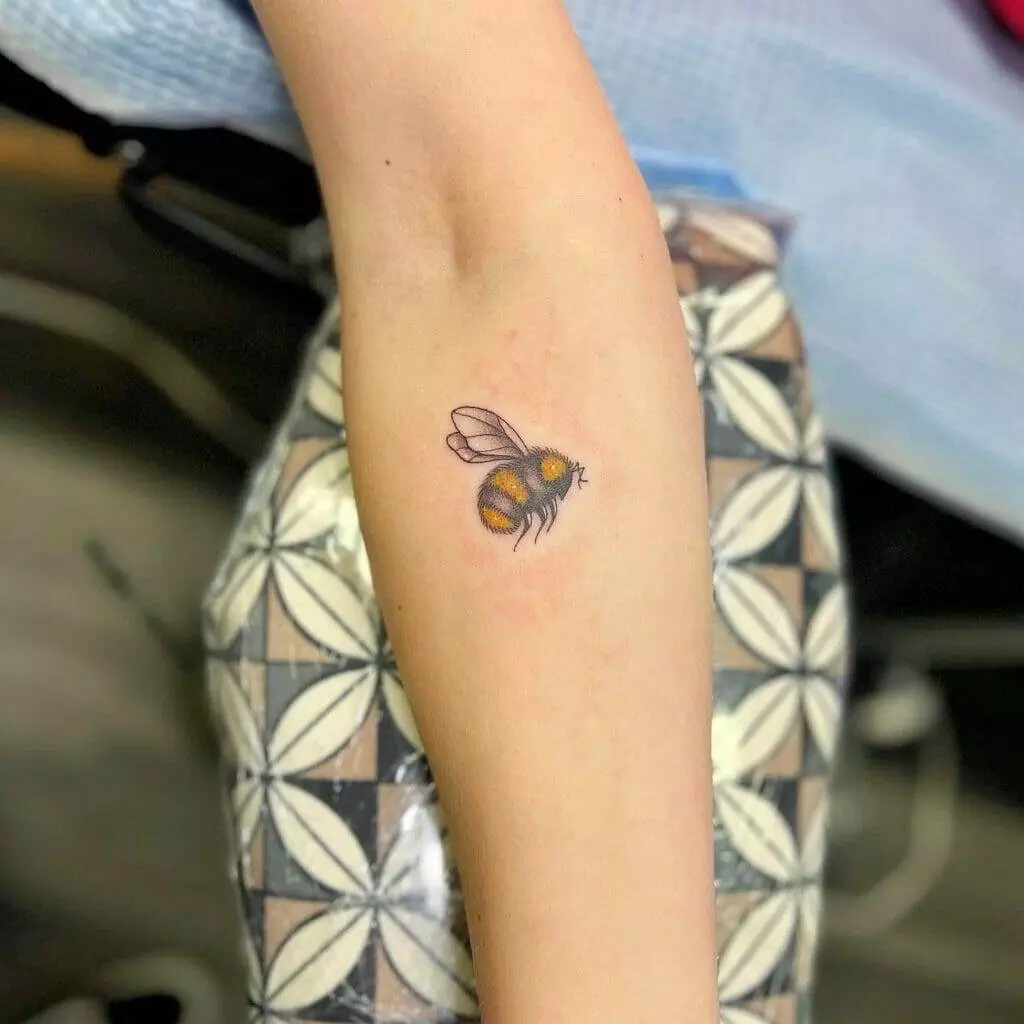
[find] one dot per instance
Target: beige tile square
(784, 344)
(728, 653)
(730, 910)
(813, 790)
(788, 759)
(788, 583)
(393, 803)
(779, 1009)
(724, 476)
(707, 250)
(812, 551)
(357, 760)
(281, 917)
(285, 641)
(686, 277)
(394, 1000)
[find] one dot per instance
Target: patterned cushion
(350, 894)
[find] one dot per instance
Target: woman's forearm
(497, 250)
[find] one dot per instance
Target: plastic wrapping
(351, 898)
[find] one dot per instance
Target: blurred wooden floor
(110, 841)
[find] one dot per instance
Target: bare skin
(497, 250)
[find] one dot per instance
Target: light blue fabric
(172, 63)
(893, 130)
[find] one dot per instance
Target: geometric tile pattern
(342, 857)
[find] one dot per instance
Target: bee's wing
(483, 436)
(460, 445)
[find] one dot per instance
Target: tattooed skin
(525, 486)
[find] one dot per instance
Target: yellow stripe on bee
(552, 467)
(495, 520)
(509, 483)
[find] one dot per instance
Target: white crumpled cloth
(893, 131)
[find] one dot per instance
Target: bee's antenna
(580, 478)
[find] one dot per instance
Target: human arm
(497, 248)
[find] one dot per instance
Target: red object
(1011, 14)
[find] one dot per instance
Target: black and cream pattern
(352, 902)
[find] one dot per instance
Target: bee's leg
(527, 523)
(542, 519)
(554, 513)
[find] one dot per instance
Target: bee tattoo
(527, 483)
